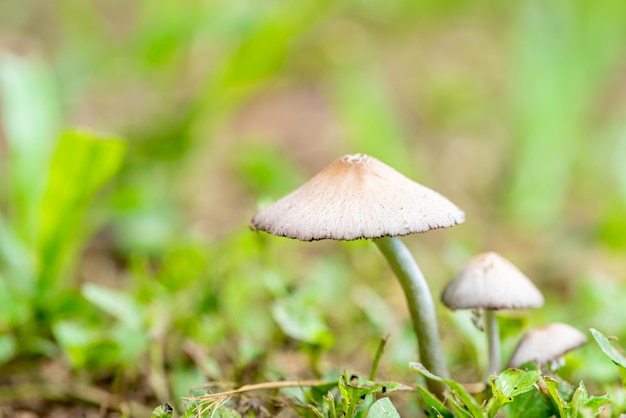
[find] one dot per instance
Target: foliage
(125, 261)
(521, 393)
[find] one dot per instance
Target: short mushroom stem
(493, 339)
(421, 307)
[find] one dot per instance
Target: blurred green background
(138, 138)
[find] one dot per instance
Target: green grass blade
(81, 165)
(31, 120)
(465, 398)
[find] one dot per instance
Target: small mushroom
(355, 197)
(490, 282)
(547, 344)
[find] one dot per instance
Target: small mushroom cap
(489, 281)
(354, 197)
(546, 343)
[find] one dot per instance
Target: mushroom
(490, 282)
(546, 344)
(355, 197)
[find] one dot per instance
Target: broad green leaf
(31, 119)
(81, 165)
(302, 323)
(465, 398)
(612, 352)
(509, 384)
(434, 407)
(513, 382)
(529, 404)
(118, 304)
(383, 408)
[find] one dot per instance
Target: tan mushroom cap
(354, 197)
(547, 343)
(489, 281)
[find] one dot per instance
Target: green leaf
(529, 404)
(117, 304)
(584, 405)
(82, 164)
(513, 382)
(596, 404)
(31, 119)
(75, 339)
(609, 349)
(612, 352)
(579, 399)
(7, 347)
(509, 384)
(464, 397)
(328, 406)
(383, 408)
(550, 389)
(352, 394)
(302, 323)
(15, 304)
(434, 407)
(163, 411)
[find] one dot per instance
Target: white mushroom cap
(546, 343)
(354, 197)
(489, 281)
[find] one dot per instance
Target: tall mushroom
(355, 197)
(547, 343)
(490, 282)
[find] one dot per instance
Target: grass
(128, 276)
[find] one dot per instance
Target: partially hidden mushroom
(356, 197)
(490, 283)
(546, 344)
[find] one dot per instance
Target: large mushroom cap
(489, 281)
(355, 197)
(547, 343)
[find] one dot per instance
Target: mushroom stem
(493, 339)
(421, 307)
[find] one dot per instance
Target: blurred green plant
(563, 53)
(170, 76)
(53, 178)
(521, 393)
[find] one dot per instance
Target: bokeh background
(139, 138)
